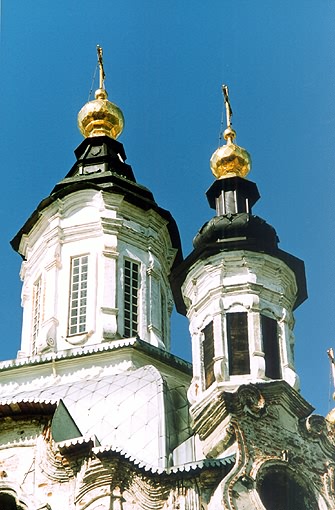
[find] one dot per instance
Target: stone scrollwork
(46, 341)
(329, 480)
(251, 400)
(316, 425)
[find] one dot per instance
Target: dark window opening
(279, 491)
(163, 317)
(208, 352)
(238, 343)
(271, 347)
(8, 502)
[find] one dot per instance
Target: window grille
(208, 353)
(131, 287)
(78, 295)
(37, 296)
(238, 343)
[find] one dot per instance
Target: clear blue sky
(165, 62)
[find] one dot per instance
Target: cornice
(87, 351)
(250, 399)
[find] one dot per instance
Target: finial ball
(101, 94)
(229, 134)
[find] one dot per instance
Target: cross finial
(101, 67)
(330, 353)
(229, 111)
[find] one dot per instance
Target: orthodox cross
(330, 353)
(229, 111)
(101, 67)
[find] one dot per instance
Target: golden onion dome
(100, 116)
(230, 159)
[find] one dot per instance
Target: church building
(96, 413)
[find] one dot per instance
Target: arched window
(279, 490)
(8, 501)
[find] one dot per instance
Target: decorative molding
(79, 339)
(251, 400)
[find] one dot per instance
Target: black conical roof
(101, 165)
(235, 228)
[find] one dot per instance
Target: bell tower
(237, 287)
(97, 252)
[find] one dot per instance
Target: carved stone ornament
(79, 340)
(251, 400)
(316, 425)
(329, 480)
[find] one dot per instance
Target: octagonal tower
(237, 287)
(98, 251)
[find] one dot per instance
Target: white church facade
(95, 412)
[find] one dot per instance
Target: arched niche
(8, 501)
(281, 489)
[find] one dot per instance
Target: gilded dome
(230, 160)
(100, 117)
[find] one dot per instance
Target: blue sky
(165, 61)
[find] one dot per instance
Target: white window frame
(36, 313)
(78, 295)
